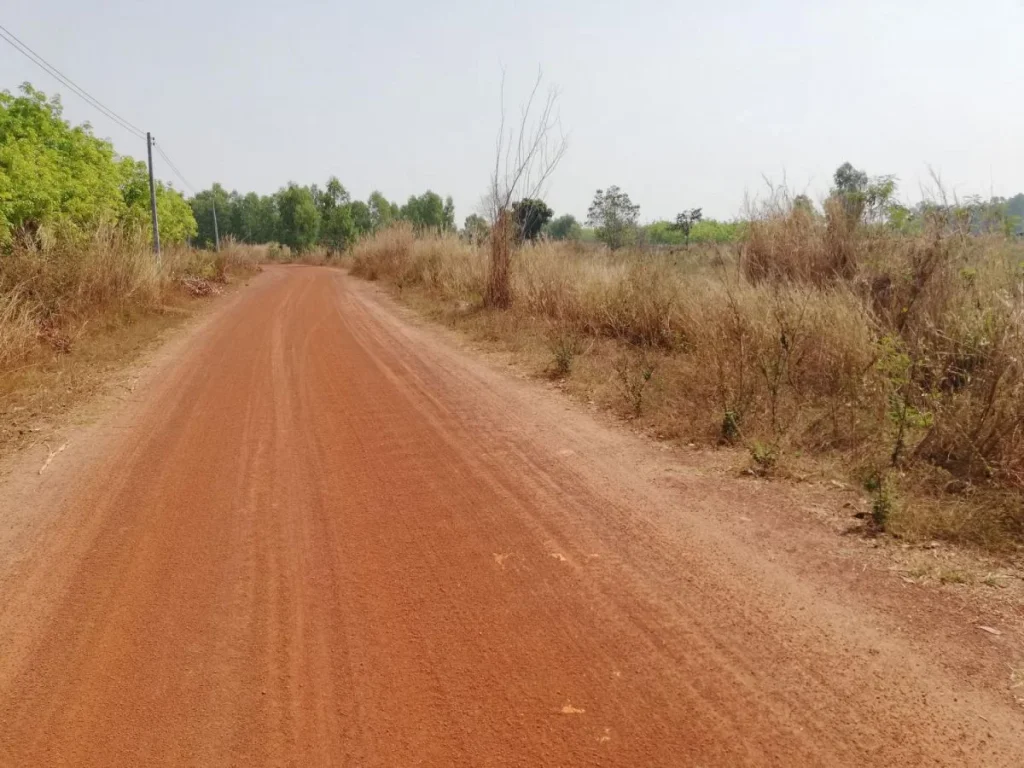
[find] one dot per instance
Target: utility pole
(216, 233)
(152, 196)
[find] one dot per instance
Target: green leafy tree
(52, 174)
(614, 216)
(337, 230)
(299, 217)
(427, 211)
(177, 224)
(530, 215)
(686, 220)
(362, 218)
(563, 228)
(333, 195)
(250, 221)
(448, 214)
(382, 212)
(203, 210)
(861, 197)
(476, 228)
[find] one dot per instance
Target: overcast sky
(680, 103)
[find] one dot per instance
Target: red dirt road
(323, 537)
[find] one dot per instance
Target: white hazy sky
(680, 103)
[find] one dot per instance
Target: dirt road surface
(319, 535)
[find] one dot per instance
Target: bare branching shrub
(566, 343)
(635, 371)
(526, 154)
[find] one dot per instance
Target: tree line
(61, 179)
(303, 217)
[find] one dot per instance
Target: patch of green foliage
(704, 232)
(62, 179)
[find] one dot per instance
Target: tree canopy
(530, 215)
(686, 221)
(63, 178)
(615, 217)
(429, 211)
(476, 229)
(564, 228)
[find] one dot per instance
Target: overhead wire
(11, 39)
(173, 167)
(39, 61)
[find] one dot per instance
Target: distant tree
(803, 203)
(530, 215)
(337, 229)
(269, 227)
(334, 195)
(362, 219)
(299, 217)
(563, 228)
(848, 180)
(426, 211)
(448, 215)
(382, 212)
(614, 216)
(1015, 213)
(203, 205)
(686, 220)
(861, 197)
(476, 229)
(342, 220)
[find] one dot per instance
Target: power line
(39, 61)
(35, 58)
(174, 168)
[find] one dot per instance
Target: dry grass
(898, 356)
(69, 312)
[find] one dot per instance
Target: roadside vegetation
(80, 286)
(858, 339)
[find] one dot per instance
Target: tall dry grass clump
(444, 264)
(51, 287)
(898, 355)
(498, 293)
